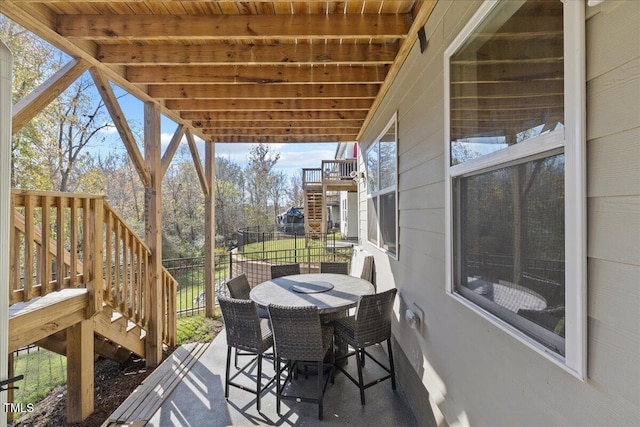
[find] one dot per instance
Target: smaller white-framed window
(381, 161)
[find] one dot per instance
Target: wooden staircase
(79, 285)
(314, 210)
(335, 176)
(115, 337)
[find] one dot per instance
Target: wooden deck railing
(311, 176)
(337, 170)
(65, 240)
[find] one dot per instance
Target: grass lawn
(191, 283)
(197, 328)
(42, 370)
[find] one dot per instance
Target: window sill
(518, 335)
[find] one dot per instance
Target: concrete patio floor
(198, 399)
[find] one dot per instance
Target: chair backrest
(239, 287)
(334, 267)
(297, 332)
(242, 324)
(373, 317)
(284, 270)
(362, 264)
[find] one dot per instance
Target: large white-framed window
(515, 173)
(381, 160)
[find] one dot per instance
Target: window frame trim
(573, 144)
(387, 190)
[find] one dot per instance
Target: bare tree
(296, 192)
(259, 172)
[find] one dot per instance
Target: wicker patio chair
(334, 267)
(284, 270)
(239, 288)
(300, 337)
(248, 333)
(362, 265)
(370, 325)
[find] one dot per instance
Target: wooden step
(120, 332)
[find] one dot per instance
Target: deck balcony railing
(338, 170)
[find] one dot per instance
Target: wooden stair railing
(126, 263)
(56, 244)
(98, 250)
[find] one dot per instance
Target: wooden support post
(153, 234)
(209, 231)
(94, 265)
(80, 394)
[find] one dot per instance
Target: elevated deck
(33, 320)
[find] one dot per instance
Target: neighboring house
(506, 122)
(348, 205)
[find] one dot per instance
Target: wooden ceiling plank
(257, 91)
(238, 27)
(119, 120)
(263, 74)
(218, 105)
(29, 106)
(249, 54)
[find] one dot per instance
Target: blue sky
(293, 157)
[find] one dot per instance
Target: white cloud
(293, 157)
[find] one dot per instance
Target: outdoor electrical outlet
(420, 313)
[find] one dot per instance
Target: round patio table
(331, 293)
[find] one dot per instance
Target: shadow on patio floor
(198, 399)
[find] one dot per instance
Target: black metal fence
(189, 272)
(262, 238)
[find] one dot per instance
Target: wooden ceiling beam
(171, 149)
(237, 74)
(281, 139)
(306, 115)
(276, 124)
(258, 91)
(276, 54)
(301, 105)
(29, 106)
(119, 120)
(238, 27)
(197, 163)
(281, 131)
